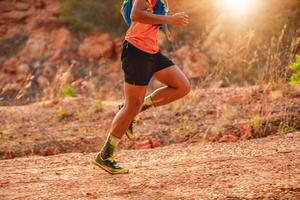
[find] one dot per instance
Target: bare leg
(134, 97)
(177, 86)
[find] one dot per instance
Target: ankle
(109, 146)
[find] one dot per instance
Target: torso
(144, 36)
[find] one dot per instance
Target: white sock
(115, 141)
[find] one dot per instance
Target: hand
(179, 19)
(170, 36)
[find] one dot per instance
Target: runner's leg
(134, 98)
(177, 86)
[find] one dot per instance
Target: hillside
(266, 168)
(80, 124)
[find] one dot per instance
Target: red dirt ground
(267, 168)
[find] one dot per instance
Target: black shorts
(139, 66)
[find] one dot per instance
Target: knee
(185, 88)
(133, 107)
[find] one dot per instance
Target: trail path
(264, 168)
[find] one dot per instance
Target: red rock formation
(97, 47)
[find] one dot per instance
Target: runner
(142, 60)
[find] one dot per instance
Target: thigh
(138, 66)
(172, 76)
(134, 94)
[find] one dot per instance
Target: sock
(109, 146)
(147, 103)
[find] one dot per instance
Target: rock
(154, 142)
(9, 154)
(228, 138)
(10, 66)
(48, 151)
(22, 6)
(36, 46)
(61, 38)
(15, 15)
(97, 47)
(6, 6)
(145, 144)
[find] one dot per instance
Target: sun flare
(236, 7)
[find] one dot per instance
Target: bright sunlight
(236, 7)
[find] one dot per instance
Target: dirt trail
(266, 168)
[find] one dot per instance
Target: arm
(140, 14)
(170, 36)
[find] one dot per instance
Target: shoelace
(113, 161)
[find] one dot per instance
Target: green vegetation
(83, 16)
(295, 79)
(67, 91)
(284, 128)
(63, 113)
(99, 106)
(257, 123)
(175, 106)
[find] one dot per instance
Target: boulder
(61, 38)
(97, 47)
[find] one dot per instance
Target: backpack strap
(160, 8)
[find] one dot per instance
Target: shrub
(295, 78)
(99, 106)
(63, 113)
(67, 91)
(83, 16)
(257, 124)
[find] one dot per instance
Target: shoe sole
(107, 169)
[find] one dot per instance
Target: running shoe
(109, 165)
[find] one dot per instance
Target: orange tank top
(144, 36)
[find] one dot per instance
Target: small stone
(154, 142)
(145, 144)
(228, 138)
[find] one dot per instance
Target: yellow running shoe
(109, 165)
